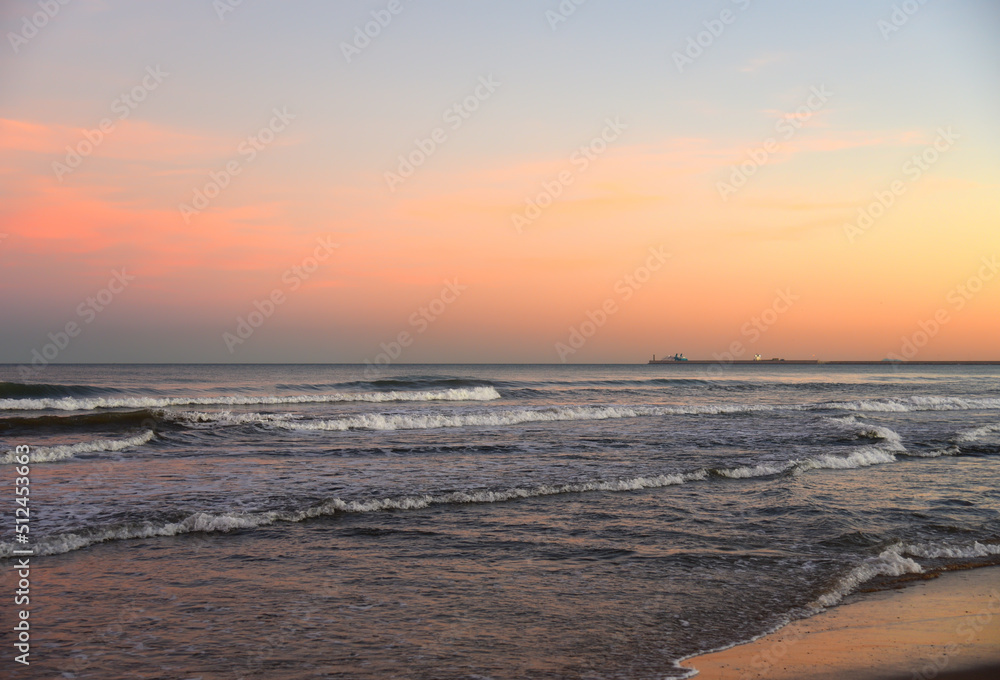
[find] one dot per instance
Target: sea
(475, 521)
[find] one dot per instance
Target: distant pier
(818, 362)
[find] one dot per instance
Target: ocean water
(478, 521)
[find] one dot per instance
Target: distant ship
(676, 357)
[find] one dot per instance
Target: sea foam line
(205, 522)
(973, 435)
(401, 421)
(893, 562)
(907, 404)
(890, 562)
(43, 454)
(504, 417)
(88, 404)
(228, 521)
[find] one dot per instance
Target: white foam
(763, 470)
(56, 453)
(229, 521)
(893, 441)
(888, 563)
(914, 404)
(381, 421)
(865, 456)
(230, 418)
(936, 453)
(974, 435)
(221, 522)
(88, 404)
(891, 562)
(931, 551)
(499, 418)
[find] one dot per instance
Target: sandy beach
(947, 627)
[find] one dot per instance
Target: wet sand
(943, 628)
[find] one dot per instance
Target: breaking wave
(888, 563)
(56, 453)
(88, 404)
(383, 421)
(229, 521)
(863, 457)
(893, 562)
(891, 438)
(976, 434)
(915, 404)
(975, 550)
(206, 522)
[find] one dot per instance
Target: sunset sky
(726, 192)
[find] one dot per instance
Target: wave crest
(228, 521)
(51, 454)
(74, 404)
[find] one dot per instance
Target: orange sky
(793, 227)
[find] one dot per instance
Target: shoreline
(945, 628)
